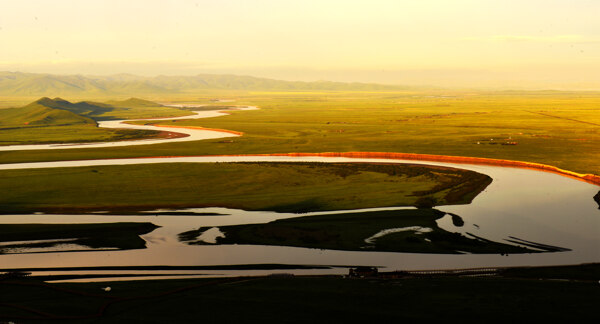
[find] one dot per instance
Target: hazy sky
(418, 41)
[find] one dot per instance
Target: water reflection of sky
(530, 205)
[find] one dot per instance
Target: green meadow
(556, 128)
(281, 187)
(69, 134)
(56, 120)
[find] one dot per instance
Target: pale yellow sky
(458, 42)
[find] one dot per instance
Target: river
(192, 134)
(524, 204)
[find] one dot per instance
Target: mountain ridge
(38, 84)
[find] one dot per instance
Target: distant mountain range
(33, 84)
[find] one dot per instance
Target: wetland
(316, 214)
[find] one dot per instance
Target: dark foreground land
(354, 232)
(568, 293)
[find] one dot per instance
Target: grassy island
(281, 187)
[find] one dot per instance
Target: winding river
(191, 133)
(520, 204)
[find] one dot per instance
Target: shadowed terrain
(566, 293)
(28, 238)
(412, 231)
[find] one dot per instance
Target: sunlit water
(526, 204)
(519, 204)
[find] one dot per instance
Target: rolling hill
(49, 121)
(132, 103)
(42, 112)
(58, 111)
(84, 108)
(32, 84)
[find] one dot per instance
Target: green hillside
(60, 121)
(58, 111)
(44, 111)
(84, 108)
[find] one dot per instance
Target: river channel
(191, 134)
(520, 204)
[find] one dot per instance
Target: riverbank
(416, 124)
(589, 178)
(520, 206)
(470, 125)
(148, 134)
(201, 128)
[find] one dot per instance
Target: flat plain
(556, 128)
(281, 187)
(549, 127)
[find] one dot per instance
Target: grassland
(556, 128)
(283, 187)
(570, 297)
(70, 134)
(39, 114)
(56, 120)
(552, 128)
(358, 232)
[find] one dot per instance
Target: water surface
(524, 204)
(519, 205)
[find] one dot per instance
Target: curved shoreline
(191, 134)
(220, 130)
(519, 204)
(221, 133)
(502, 213)
(589, 178)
